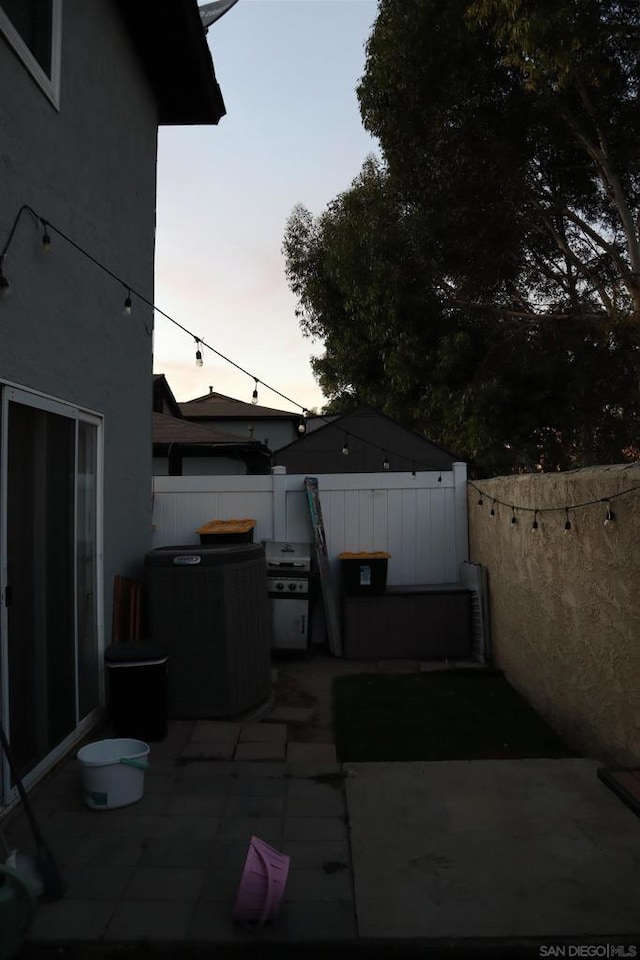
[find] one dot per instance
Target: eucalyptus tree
(480, 282)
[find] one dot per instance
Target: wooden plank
(322, 559)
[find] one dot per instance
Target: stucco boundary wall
(565, 605)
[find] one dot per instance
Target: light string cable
(47, 226)
(609, 517)
(131, 291)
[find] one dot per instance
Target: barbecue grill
(288, 576)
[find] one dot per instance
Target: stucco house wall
(89, 168)
(565, 605)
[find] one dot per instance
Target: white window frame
(50, 85)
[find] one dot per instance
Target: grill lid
(284, 556)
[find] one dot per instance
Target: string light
(413, 469)
(609, 517)
(199, 360)
(345, 447)
(52, 228)
(46, 239)
(302, 427)
(513, 515)
(46, 242)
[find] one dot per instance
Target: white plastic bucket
(113, 772)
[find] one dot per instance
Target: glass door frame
(10, 393)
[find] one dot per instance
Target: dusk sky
(288, 71)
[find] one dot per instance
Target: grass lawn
(441, 715)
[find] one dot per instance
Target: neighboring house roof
(163, 396)
(214, 406)
(171, 43)
(370, 435)
(167, 430)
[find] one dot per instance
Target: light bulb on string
(440, 477)
(413, 469)
(46, 239)
(480, 501)
(302, 427)
(254, 395)
(385, 462)
(567, 522)
(492, 512)
(514, 519)
(127, 308)
(345, 447)
(609, 516)
(199, 360)
(534, 525)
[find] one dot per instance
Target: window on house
(32, 27)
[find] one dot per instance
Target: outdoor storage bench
(424, 622)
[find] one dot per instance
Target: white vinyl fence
(421, 521)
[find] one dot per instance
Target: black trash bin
(137, 690)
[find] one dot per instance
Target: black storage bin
(137, 690)
(363, 574)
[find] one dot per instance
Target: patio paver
(149, 920)
(291, 715)
(70, 920)
(311, 759)
(263, 733)
(261, 750)
(439, 850)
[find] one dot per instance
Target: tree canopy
(481, 282)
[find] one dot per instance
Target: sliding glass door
(49, 521)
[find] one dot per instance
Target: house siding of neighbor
(273, 428)
(184, 448)
(75, 373)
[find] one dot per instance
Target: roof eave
(172, 45)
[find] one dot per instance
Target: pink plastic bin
(262, 884)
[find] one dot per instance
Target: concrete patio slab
(261, 750)
(211, 740)
(310, 759)
(70, 920)
(306, 798)
(314, 828)
(290, 715)
(221, 749)
(321, 854)
(507, 848)
(149, 920)
(204, 730)
(275, 733)
(319, 885)
(254, 806)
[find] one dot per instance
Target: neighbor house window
(33, 28)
